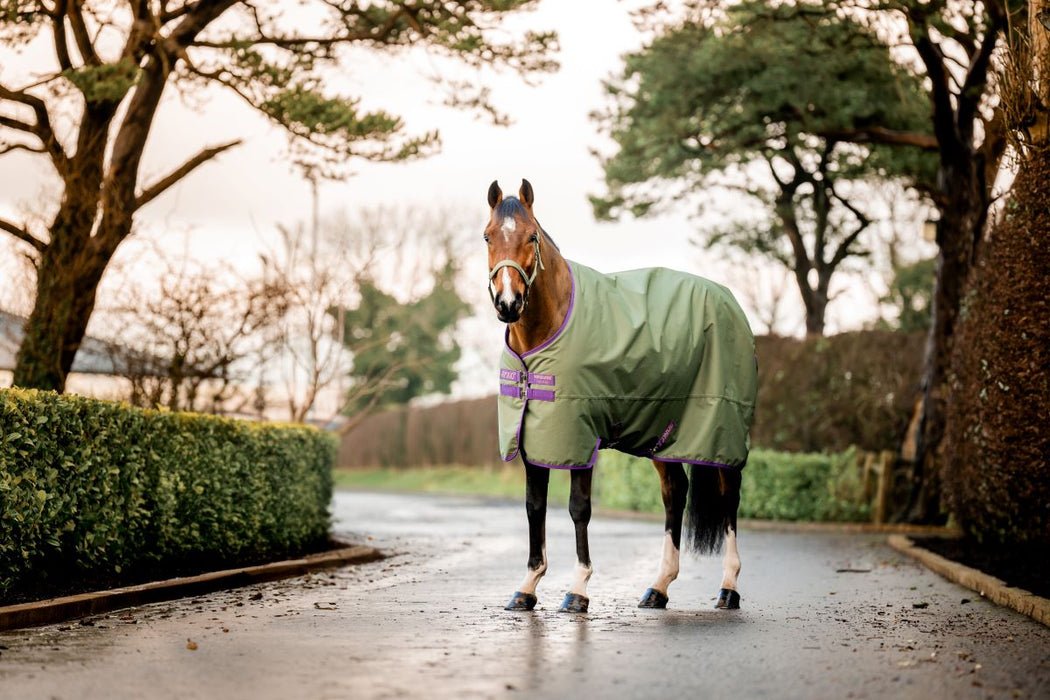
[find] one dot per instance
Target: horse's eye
(486, 237)
(534, 238)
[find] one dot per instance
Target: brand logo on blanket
(523, 385)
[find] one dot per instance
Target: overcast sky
(228, 206)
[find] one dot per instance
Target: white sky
(230, 205)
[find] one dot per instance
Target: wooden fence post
(887, 461)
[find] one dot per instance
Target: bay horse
(653, 362)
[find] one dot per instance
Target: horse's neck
(548, 303)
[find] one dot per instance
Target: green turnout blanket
(654, 362)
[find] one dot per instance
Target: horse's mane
(512, 206)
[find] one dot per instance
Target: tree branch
(880, 135)
(157, 188)
(42, 129)
(80, 33)
(977, 77)
(9, 147)
(379, 35)
(193, 22)
(17, 125)
(58, 24)
(23, 235)
(944, 125)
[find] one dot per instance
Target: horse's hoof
(521, 601)
(653, 599)
(574, 603)
(728, 600)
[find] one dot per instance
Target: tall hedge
(997, 466)
(88, 485)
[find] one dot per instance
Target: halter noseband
(529, 279)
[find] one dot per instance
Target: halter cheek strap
(529, 279)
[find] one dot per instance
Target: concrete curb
(985, 585)
(46, 612)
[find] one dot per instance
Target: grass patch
(505, 482)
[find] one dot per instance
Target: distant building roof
(94, 357)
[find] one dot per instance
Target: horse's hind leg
(728, 597)
(536, 480)
(674, 485)
(576, 599)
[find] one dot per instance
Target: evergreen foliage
(759, 101)
(91, 486)
(403, 350)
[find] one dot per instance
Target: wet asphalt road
(428, 622)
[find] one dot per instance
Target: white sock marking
(730, 562)
(533, 576)
(668, 565)
(580, 577)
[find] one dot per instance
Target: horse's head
(513, 237)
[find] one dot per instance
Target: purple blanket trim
(510, 390)
(548, 341)
(594, 458)
(511, 375)
(542, 379)
(539, 394)
(696, 462)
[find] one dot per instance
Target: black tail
(714, 495)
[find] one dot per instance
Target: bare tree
(190, 343)
(323, 267)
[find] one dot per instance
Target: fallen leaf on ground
(191, 645)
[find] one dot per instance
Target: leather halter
(529, 279)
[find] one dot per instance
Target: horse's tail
(714, 495)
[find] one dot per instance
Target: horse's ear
(495, 194)
(525, 193)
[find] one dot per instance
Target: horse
(654, 362)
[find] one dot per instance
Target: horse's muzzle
(509, 313)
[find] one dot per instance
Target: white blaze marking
(580, 577)
(668, 565)
(533, 576)
(508, 227)
(507, 295)
(730, 562)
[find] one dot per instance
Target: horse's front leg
(576, 599)
(536, 480)
(674, 487)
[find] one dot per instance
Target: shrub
(824, 394)
(87, 485)
(776, 486)
(997, 462)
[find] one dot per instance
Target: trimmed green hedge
(776, 486)
(87, 485)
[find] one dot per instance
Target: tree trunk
(65, 298)
(816, 306)
(94, 218)
(958, 234)
(69, 268)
